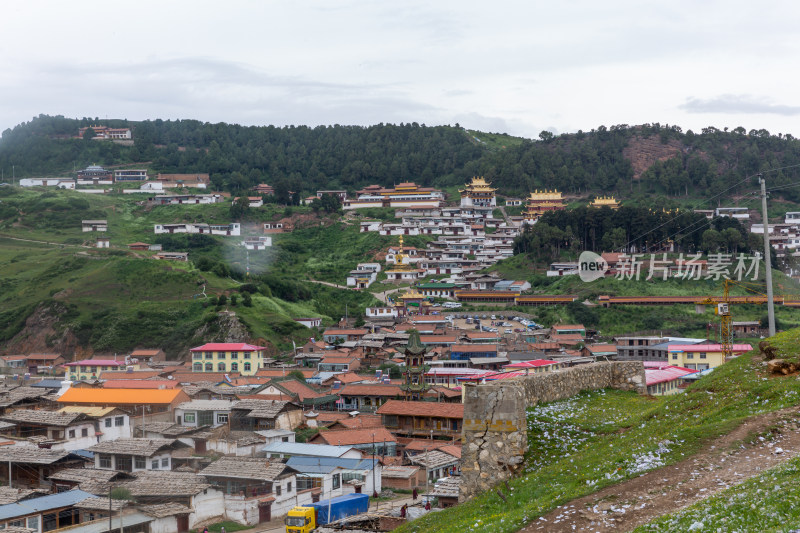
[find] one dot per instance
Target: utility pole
(767, 256)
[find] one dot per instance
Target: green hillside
(112, 300)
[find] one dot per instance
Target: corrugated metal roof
(45, 503)
(120, 396)
(297, 448)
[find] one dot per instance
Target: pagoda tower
(414, 354)
(478, 193)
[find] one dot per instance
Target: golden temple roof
(477, 185)
(604, 201)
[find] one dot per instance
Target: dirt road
(726, 462)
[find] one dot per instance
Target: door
(183, 522)
(265, 512)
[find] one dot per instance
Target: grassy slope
(764, 503)
(119, 300)
(580, 445)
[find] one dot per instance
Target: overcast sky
(513, 67)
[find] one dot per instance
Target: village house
(437, 463)
(257, 243)
(42, 514)
(417, 418)
(232, 229)
(134, 454)
(198, 413)
(130, 174)
(185, 199)
(131, 400)
(338, 363)
(462, 352)
(371, 441)
(334, 476)
(32, 467)
(331, 335)
(280, 450)
(154, 487)
(94, 225)
(255, 415)
(178, 181)
(402, 477)
(148, 355)
(702, 356)
(62, 430)
(228, 357)
(663, 379)
(256, 489)
(91, 369)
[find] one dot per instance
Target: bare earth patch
(725, 462)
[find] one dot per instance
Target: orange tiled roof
(431, 409)
(349, 437)
(358, 389)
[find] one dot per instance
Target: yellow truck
(304, 519)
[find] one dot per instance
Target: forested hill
(627, 161)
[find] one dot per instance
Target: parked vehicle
(304, 519)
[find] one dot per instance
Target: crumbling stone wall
(495, 433)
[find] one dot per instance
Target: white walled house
(381, 312)
(257, 243)
(232, 229)
(336, 476)
(47, 182)
(313, 322)
(203, 413)
(255, 488)
(132, 455)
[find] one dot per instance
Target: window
(105, 461)
(222, 355)
(284, 439)
(209, 367)
(85, 432)
(189, 418)
(689, 356)
(197, 356)
(72, 433)
(247, 367)
(165, 462)
(154, 464)
(84, 369)
(674, 356)
(197, 367)
(108, 422)
(278, 489)
(33, 523)
(209, 355)
(234, 367)
(119, 421)
(221, 366)
(288, 487)
(702, 355)
(234, 355)
(222, 418)
(247, 355)
(140, 462)
(337, 481)
(124, 463)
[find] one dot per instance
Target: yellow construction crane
(723, 309)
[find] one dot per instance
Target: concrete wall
(495, 416)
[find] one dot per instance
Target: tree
(234, 299)
(732, 239)
(247, 300)
(89, 134)
(296, 374)
(712, 240)
(222, 300)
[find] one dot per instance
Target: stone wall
(495, 430)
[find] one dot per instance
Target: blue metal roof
(325, 465)
(48, 384)
(297, 448)
(45, 503)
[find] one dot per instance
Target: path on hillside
(329, 284)
(382, 295)
(725, 462)
(505, 216)
(61, 244)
